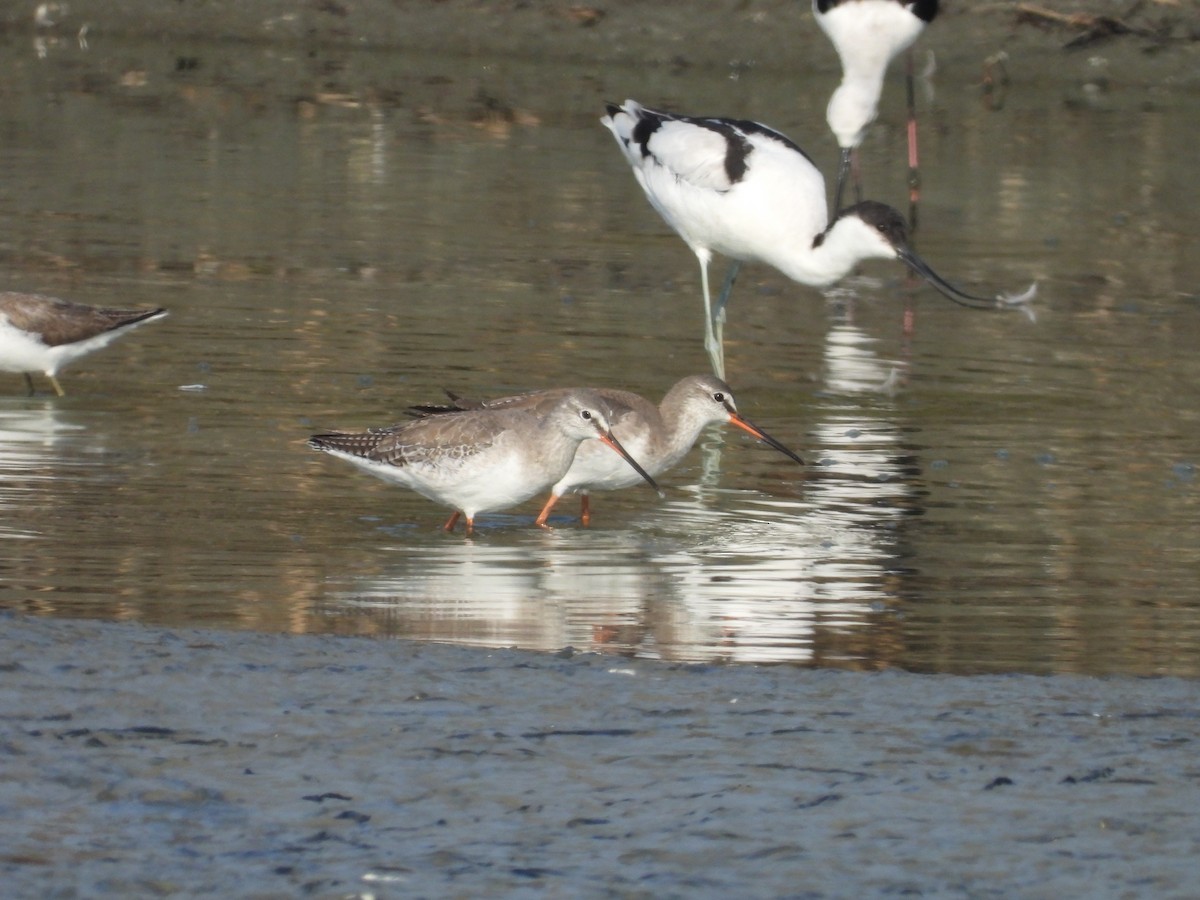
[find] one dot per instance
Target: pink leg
(914, 165)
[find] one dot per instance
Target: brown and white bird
(481, 460)
(657, 436)
(45, 334)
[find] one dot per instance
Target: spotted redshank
(44, 334)
(657, 436)
(481, 460)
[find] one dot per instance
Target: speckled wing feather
(441, 437)
(539, 403)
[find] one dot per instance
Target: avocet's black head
(886, 221)
(883, 218)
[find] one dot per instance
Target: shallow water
(338, 236)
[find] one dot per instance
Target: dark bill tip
(750, 428)
(607, 438)
(922, 268)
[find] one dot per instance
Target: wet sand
(143, 762)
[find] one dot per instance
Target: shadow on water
(339, 236)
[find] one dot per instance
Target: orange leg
(453, 520)
(540, 521)
(585, 510)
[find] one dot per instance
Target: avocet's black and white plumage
(868, 35)
(44, 334)
(745, 191)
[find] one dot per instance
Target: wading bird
(868, 35)
(657, 436)
(743, 190)
(45, 334)
(482, 460)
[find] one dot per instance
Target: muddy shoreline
(149, 762)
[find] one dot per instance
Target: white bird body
(731, 187)
(744, 190)
(867, 35)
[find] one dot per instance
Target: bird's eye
(586, 414)
(719, 396)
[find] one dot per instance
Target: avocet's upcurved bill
(743, 190)
(891, 227)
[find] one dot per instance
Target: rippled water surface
(339, 237)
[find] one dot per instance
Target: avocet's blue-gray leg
(712, 343)
(722, 304)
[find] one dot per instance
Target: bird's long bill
(611, 441)
(736, 418)
(922, 268)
